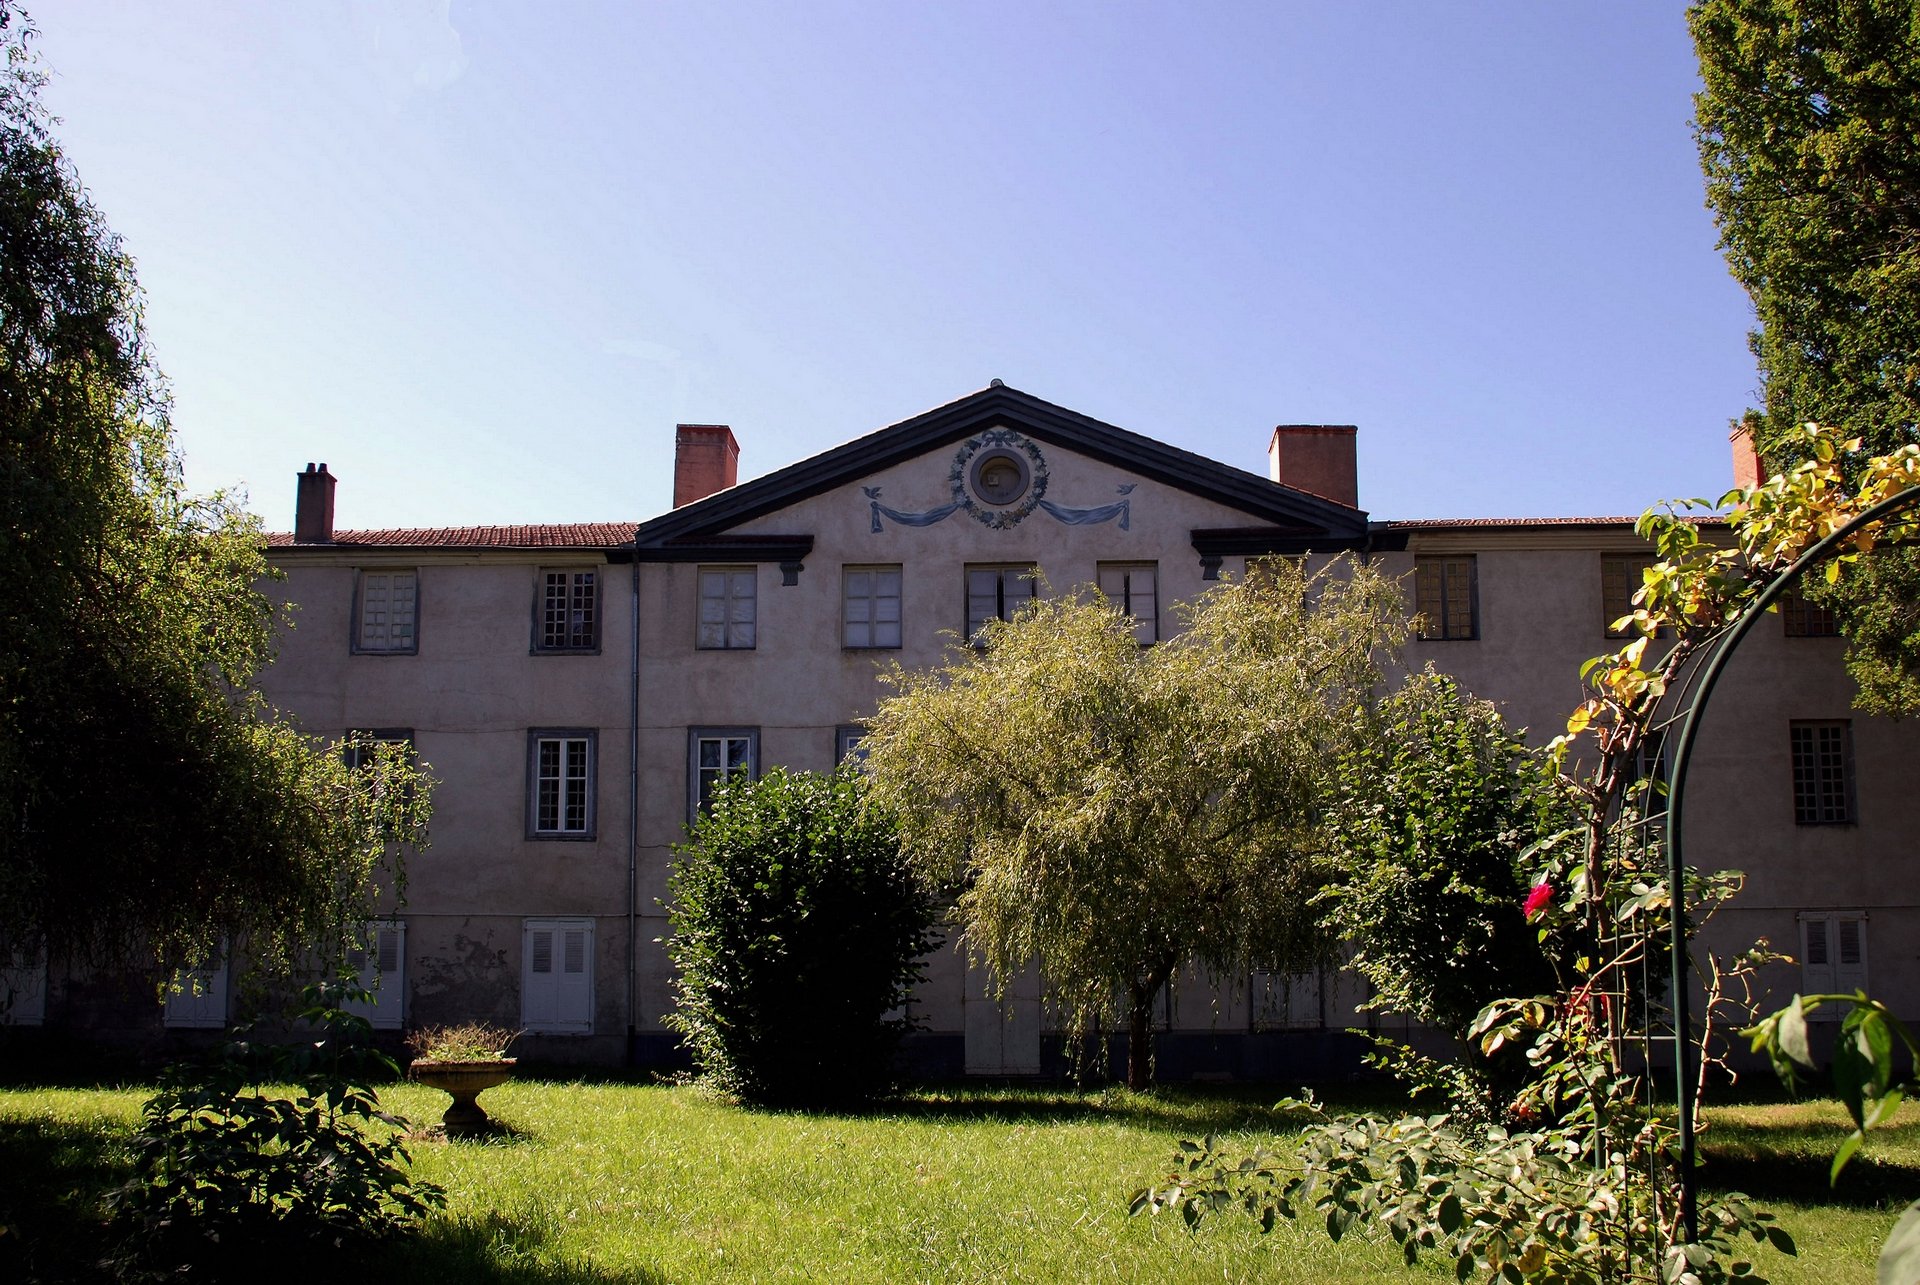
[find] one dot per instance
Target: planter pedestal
(466, 1081)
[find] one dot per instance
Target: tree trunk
(1141, 995)
(1140, 1038)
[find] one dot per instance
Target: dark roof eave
(1228, 542)
(1040, 419)
(743, 548)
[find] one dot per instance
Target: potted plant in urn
(464, 1061)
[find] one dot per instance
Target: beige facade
(566, 684)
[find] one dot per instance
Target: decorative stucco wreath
(979, 461)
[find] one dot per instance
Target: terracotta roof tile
(558, 535)
(1456, 524)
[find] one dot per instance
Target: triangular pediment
(1270, 508)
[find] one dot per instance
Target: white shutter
(201, 1000)
(557, 978)
(1816, 957)
(387, 603)
(1288, 1001)
(383, 972)
(23, 992)
(1849, 954)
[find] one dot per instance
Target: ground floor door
(1003, 1036)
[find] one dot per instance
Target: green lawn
(611, 1182)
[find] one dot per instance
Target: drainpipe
(633, 802)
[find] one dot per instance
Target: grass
(607, 1182)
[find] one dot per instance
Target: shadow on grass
(492, 1133)
(1177, 1109)
(1791, 1162)
(53, 1174)
(492, 1250)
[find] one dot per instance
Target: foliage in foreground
(1808, 123)
(797, 928)
(1435, 805)
(1867, 1083)
(1605, 909)
(1108, 811)
(1521, 1206)
(131, 631)
(226, 1170)
(628, 1184)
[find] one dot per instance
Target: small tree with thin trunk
(1109, 811)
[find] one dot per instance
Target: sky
(480, 258)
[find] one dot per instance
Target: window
(556, 976)
(388, 613)
(200, 998)
(1822, 772)
(996, 593)
(1288, 1001)
(846, 743)
(1650, 766)
(1444, 590)
(1833, 955)
(870, 607)
(560, 794)
(567, 617)
(727, 607)
(714, 755)
(1808, 619)
(1621, 576)
(361, 754)
(1132, 588)
(380, 959)
(23, 989)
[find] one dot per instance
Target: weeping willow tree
(1110, 811)
(151, 805)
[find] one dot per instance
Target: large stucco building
(576, 688)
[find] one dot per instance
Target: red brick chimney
(1748, 471)
(1317, 459)
(313, 507)
(706, 459)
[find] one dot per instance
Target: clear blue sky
(481, 258)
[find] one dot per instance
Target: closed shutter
(23, 992)
(382, 969)
(201, 1000)
(557, 979)
(1816, 964)
(1833, 958)
(1288, 1001)
(1849, 954)
(387, 603)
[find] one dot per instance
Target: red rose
(1542, 893)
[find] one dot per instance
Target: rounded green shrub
(797, 932)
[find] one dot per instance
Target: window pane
(1849, 941)
(1822, 785)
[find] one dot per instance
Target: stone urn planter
(466, 1081)
(465, 1061)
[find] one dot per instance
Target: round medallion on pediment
(999, 477)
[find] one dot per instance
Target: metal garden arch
(1721, 652)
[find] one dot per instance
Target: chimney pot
(1318, 459)
(1748, 471)
(706, 460)
(313, 507)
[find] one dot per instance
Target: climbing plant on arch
(1586, 1180)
